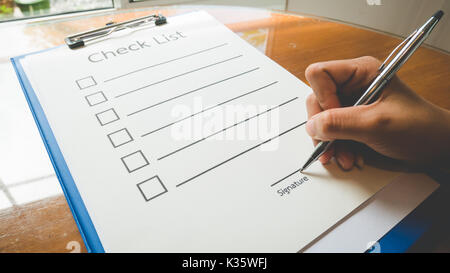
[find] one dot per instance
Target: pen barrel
(324, 147)
(371, 93)
(320, 149)
(414, 42)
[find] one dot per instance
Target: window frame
(55, 16)
(129, 4)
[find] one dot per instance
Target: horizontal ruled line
(177, 76)
(209, 108)
(226, 128)
(240, 154)
(286, 177)
(166, 62)
(192, 91)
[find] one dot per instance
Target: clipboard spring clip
(80, 39)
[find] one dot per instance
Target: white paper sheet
(369, 223)
(219, 180)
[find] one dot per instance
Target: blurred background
(397, 17)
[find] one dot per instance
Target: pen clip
(395, 50)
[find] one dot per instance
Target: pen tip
(307, 164)
(438, 14)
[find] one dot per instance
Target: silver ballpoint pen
(385, 72)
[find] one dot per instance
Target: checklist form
(184, 138)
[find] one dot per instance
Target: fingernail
(341, 161)
(345, 161)
(359, 161)
(324, 160)
(311, 128)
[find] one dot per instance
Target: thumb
(347, 123)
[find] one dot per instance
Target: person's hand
(399, 124)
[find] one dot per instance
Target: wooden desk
(292, 41)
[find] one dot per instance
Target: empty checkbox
(134, 161)
(107, 116)
(86, 82)
(120, 137)
(151, 188)
(96, 98)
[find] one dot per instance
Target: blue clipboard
(76, 204)
(397, 240)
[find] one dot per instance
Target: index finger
(343, 77)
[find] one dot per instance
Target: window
(23, 9)
(268, 4)
(11, 10)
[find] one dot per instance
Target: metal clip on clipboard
(80, 39)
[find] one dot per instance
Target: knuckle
(328, 123)
(310, 99)
(313, 69)
(367, 67)
(371, 59)
(379, 121)
(370, 65)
